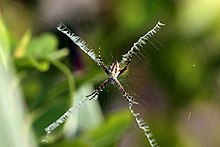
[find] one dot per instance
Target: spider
(114, 69)
(113, 72)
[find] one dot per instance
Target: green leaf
(58, 54)
(15, 128)
(40, 65)
(39, 52)
(42, 46)
(4, 39)
(22, 45)
(4, 43)
(109, 133)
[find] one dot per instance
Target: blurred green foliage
(33, 58)
(178, 84)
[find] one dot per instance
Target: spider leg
(129, 98)
(102, 64)
(98, 90)
(93, 94)
(126, 67)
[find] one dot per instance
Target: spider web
(162, 86)
(157, 102)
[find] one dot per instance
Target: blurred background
(176, 78)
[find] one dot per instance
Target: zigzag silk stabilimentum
(113, 72)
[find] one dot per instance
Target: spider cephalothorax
(113, 72)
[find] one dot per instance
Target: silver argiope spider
(114, 69)
(113, 72)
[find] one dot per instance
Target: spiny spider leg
(93, 94)
(98, 90)
(102, 64)
(129, 98)
(126, 67)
